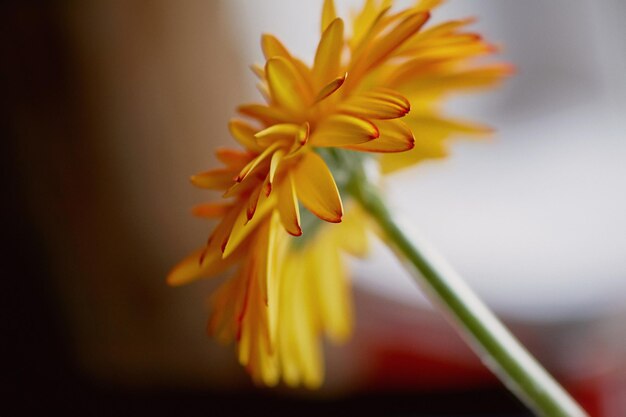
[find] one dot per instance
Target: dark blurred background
(109, 106)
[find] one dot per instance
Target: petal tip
(296, 233)
(337, 218)
(171, 280)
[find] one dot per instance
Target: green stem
(497, 347)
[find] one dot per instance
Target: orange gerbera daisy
(375, 92)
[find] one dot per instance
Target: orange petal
(220, 234)
(377, 104)
(232, 158)
(328, 54)
(287, 86)
(215, 179)
(341, 130)
(211, 210)
(288, 206)
(223, 308)
(190, 269)
(316, 188)
(244, 134)
(395, 136)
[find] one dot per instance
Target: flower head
(375, 92)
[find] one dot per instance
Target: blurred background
(109, 106)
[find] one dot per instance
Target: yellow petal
(343, 129)
(304, 133)
(305, 333)
(244, 134)
(438, 47)
(328, 14)
(395, 136)
(330, 88)
(256, 161)
(287, 352)
(253, 201)
(393, 162)
(286, 85)
(252, 180)
(272, 47)
(274, 164)
(265, 114)
(385, 46)
(328, 55)
(431, 134)
(425, 5)
(242, 227)
(377, 104)
(468, 79)
(261, 248)
(364, 33)
(333, 296)
(288, 206)
(433, 33)
(245, 342)
(301, 139)
(433, 124)
(365, 22)
(258, 70)
(215, 179)
(273, 264)
(442, 29)
(264, 90)
(316, 188)
(282, 132)
(351, 235)
(300, 353)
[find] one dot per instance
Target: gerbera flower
(299, 148)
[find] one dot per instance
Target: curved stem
(496, 346)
